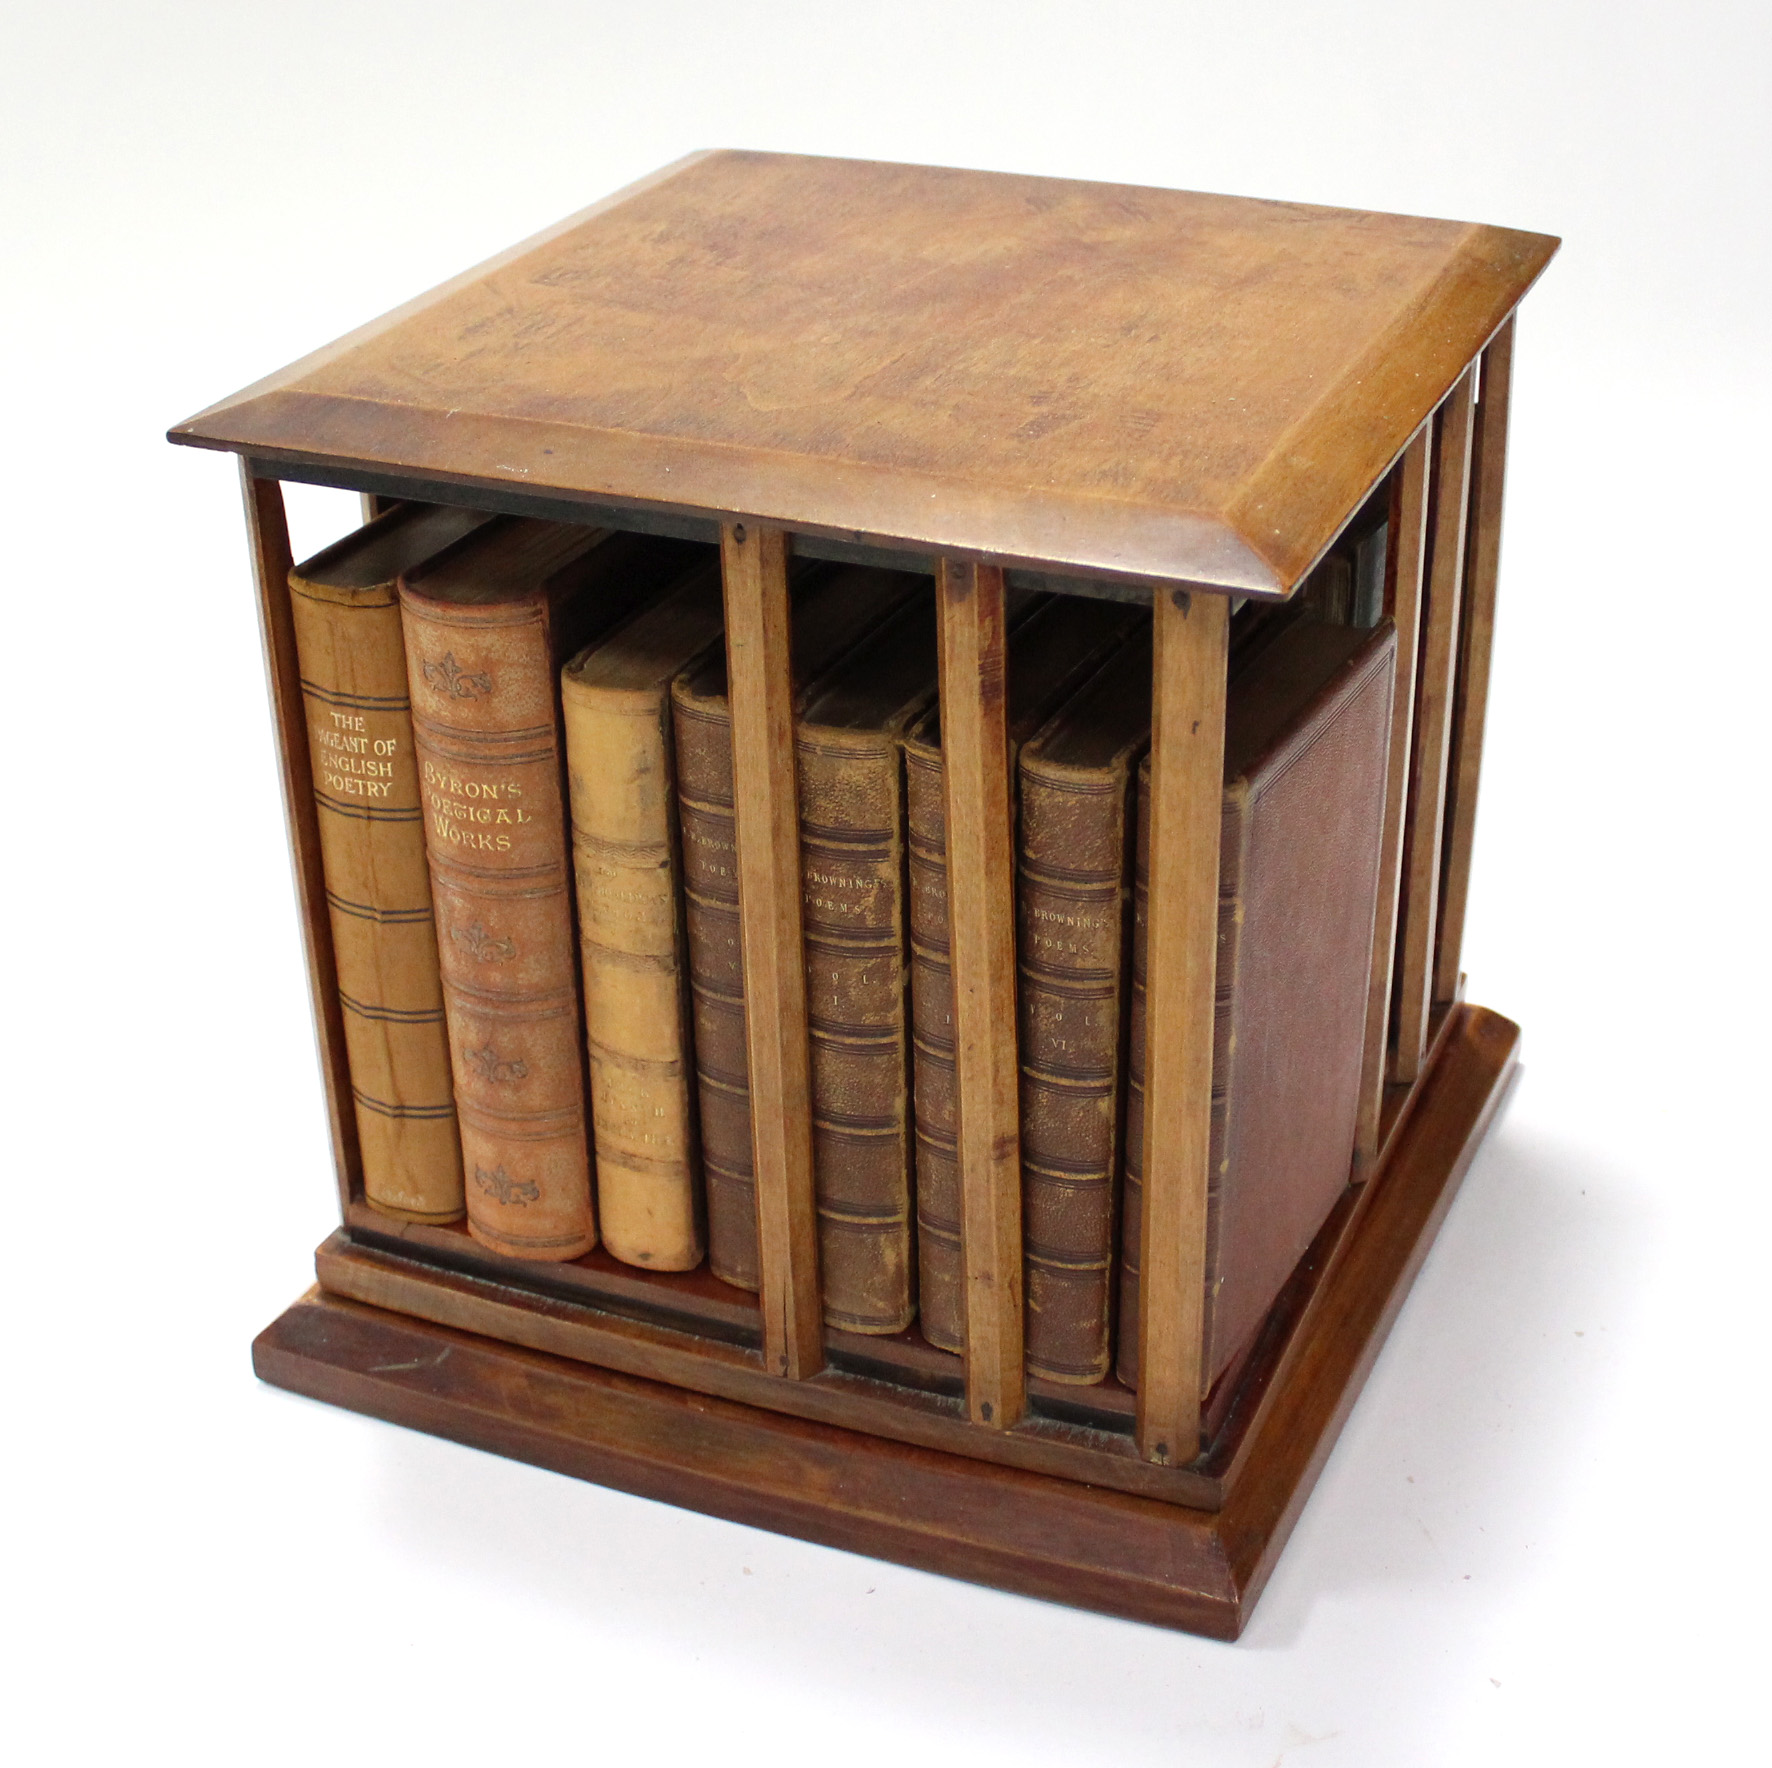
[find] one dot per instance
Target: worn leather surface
(353, 667)
(849, 756)
(1307, 732)
(834, 609)
(1074, 877)
(1053, 649)
(616, 708)
(483, 679)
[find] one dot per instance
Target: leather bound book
(833, 610)
(1052, 651)
(487, 624)
(1074, 880)
(378, 892)
(1306, 737)
(849, 749)
(616, 697)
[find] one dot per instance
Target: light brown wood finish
(1187, 792)
(981, 934)
(759, 665)
(1141, 384)
(267, 531)
(854, 1399)
(1435, 677)
(922, 1499)
(1403, 570)
(1476, 640)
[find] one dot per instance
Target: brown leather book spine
(1057, 645)
(1074, 854)
(1231, 862)
(703, 729)
(941, 1309)
(485, 719)
(1306, 735)
(378, 894)
(833, 611)
(851, 836)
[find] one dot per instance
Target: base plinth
(1139, 1557)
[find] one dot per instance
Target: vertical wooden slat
(1419, 913)
(267, 528)
(1408, 545)
(981, 934)
(1187, 795)
(1476, 640)
(767, 828)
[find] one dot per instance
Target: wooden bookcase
(1146, 395)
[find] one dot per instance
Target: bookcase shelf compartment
(1147, 396)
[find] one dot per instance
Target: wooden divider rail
(993, 431)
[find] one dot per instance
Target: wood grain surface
(1402, 605)
(267, 533)
(1168, 1564)
(1436, 674)
(759, 671)
(980, 833)
(1186, 808)
(1143, 384)
(1476, 640)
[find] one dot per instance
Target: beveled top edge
(1124, 543)
(1237, 548)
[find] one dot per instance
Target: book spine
(378, 896)
(1230, 928)
(618, 756)
(852, 857)
(941, 1292)
(716, 974)
(1072, 949)
(485, 724)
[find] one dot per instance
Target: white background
(1541, 1537)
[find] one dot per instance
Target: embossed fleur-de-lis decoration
(485, 1063)
(450, 678)
(502, 1188)
(480, 944)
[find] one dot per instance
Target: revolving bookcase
(1190, 402)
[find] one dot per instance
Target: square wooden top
(1099, 378)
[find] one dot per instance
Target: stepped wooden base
(1147, 1559)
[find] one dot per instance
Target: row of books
(523, 771)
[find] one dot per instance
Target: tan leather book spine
(616, 701)
(378, 890)
(1054, 647)
(834, 610)
(484, 679)
(1073, 912)
(1306, 735)
(851, 838)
